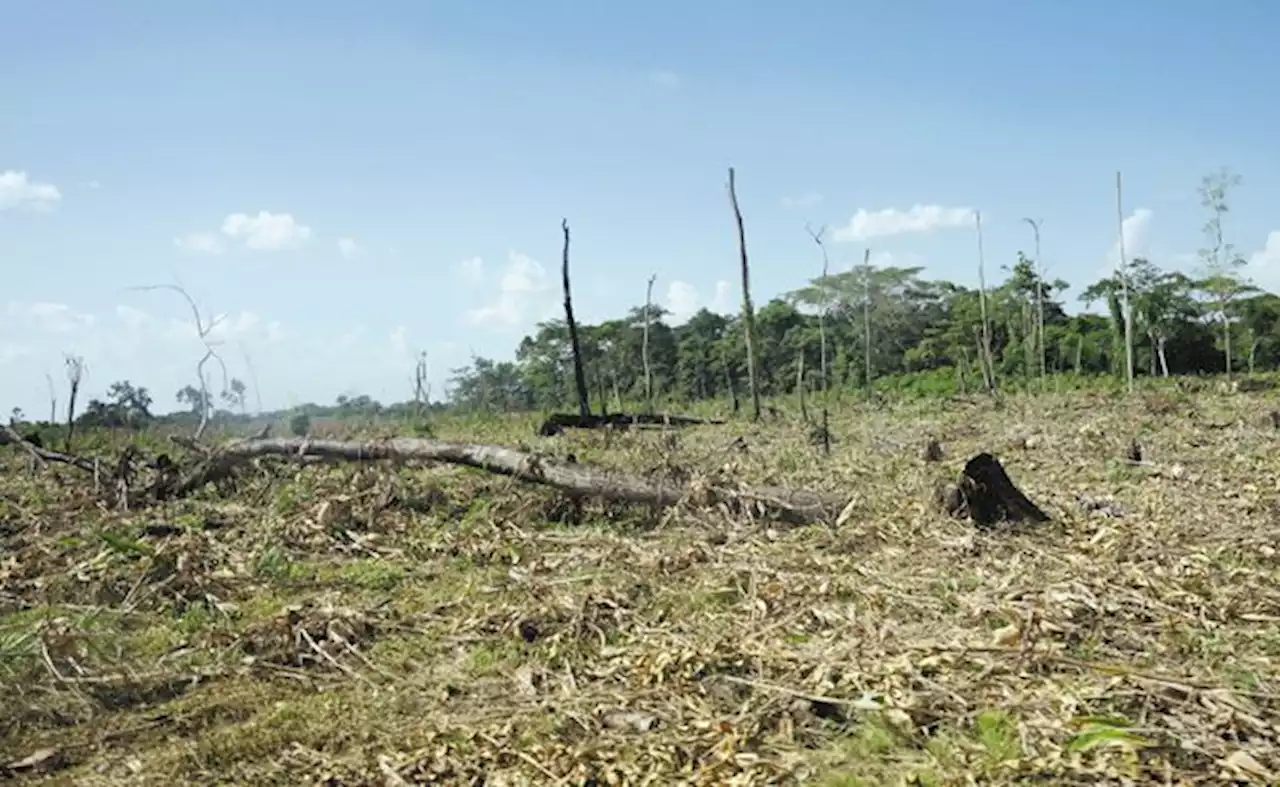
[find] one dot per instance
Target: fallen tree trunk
(558, 422)
(796, 507)
(9, 435)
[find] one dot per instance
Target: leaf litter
(348, 625)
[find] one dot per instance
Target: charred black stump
(987, 495)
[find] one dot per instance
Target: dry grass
(358, 625)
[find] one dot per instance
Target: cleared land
(362, 624)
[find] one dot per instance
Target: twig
(544, 770)
(860, 704)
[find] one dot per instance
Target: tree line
(888, 326)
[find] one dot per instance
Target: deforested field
(367, 624)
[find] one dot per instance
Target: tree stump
(987, 495)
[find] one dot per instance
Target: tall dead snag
(75, 373)
(1122, 272)
(748, 312)
(53, 398)
(648, 369)
(984, 348)
(421, 386)
(987, 495)
(579, 377)
(825, 434)
(804, 408)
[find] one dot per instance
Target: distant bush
(300, 425)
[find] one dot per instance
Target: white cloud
(266, 231)
(92, 184)
(399, 341)
(1269, 255)
(134, 319)
(681, 300)
(1264, 264)
(722, 302)
(12, 351)
(52, 317)
(17, 190)
(349, 248)
(202, 242)
(472, 270)
(802, 202)
(522, 287)
(668, 80)
(867, 224)
(1136, 231)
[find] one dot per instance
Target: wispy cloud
(866, 224)
(18, 190)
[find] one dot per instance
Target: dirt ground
(353, 625)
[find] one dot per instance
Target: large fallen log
(797, 507)
(558, 422)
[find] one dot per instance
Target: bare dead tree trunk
(748, 311)
(75, 373)
(648, 370)
(579, 377)
(1035, 228)
(984, 349)
(421, 388)
(1122, 270)
(866, 320)
(800, 386)
(203, 329)
(53, 399)
(253, 380)
(822, 338)
(728, 380)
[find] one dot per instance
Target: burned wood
(578, 480)
(987, 495)
(579, 377)
(558, 422)
(1134, 454)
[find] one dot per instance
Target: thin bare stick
(648, 370)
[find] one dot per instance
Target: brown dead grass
(359, 625)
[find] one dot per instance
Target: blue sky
(352, 183)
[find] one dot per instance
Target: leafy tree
(1223, 282)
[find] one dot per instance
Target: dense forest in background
(890, 326)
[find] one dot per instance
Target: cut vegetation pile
(348, 624)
